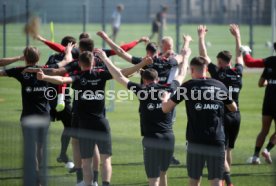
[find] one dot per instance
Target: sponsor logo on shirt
(152, 106)
(272, 82)
(35, 89)
(26, 75)
(84, 81)
(206, 106)
(90, 97)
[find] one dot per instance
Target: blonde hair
(168, 40)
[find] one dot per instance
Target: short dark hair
(199, 63)
(152, 47)
(149, 74)
(84, 35)
(86, 44)
(225, 56)
(31, 55)
(68, 39)
(86, 58)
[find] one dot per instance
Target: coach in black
(34, 117)
(205, 100)
(158, 141)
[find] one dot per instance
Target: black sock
(65, 139)
(95, 176)
(257, 151)
(269, 146)
(79, 175)
(227, 178)
(105, 183)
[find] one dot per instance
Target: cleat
(94, 183)
(267, 156)
(175, 161)
(80, 183)
(63, 159)
(245, 50)
(256, 160)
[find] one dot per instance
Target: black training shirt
(91, 97)
(230, 77)
(152, 118)
(270, 75)
(34, 101)
(205, 115)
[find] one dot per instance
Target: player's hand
(69, 47)
(40, 75)
(39, 38)
(235, 30)
(100, 53)
(186, 52)
(187, 38)
(148, 60)
(165, 96)
(144, 39)
(102, 34)
(21, 58)
(202, 31)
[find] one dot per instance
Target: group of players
(213, 124)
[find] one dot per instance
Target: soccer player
(166, 63)
(232, 79)
(156, 126)
(91, 112)
(61, 105)
(34, 104)
(267, 79)
(159, 22)
(116, 21)
(205, 99)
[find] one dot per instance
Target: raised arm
(10, 60)
(202, 31)
(119, 51)
(235, 31)
(54, 46)
(115, 72)
(68, 56)
(183, 67)
(58, 80)
(133, 69)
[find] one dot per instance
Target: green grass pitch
(127, 157)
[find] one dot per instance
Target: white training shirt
(116, 16)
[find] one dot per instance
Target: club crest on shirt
(28, 89)
(151, 106)
(83, 81)
(222, 75)
(26, 75)
(198, 106)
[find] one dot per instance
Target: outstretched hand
(40, 75)
(202, 30)
(235, 30)
(187, 38)
(148, 60)
(100, 53)
(69, 47)
(102, 34)
(144, 39)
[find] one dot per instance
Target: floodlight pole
(273, 14)
(103, 21)
(251, 42)
(27, 19)
(178, 18)
(4, 29)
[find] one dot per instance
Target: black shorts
(269, 108)
(198, 155)
(65, 116)
(158, 153)
(90, 134)
(232, 121)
